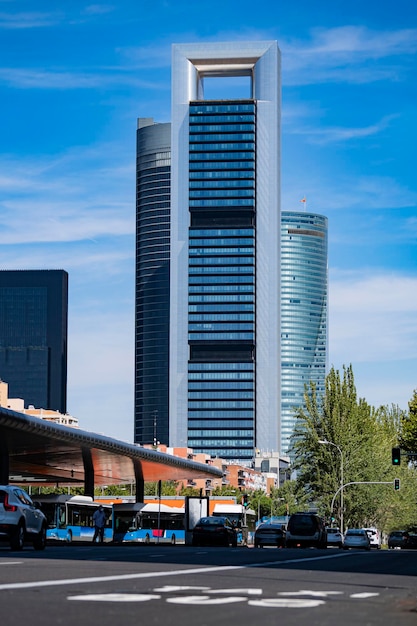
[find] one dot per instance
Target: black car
(269, 534)
(396, 539)
(214, 531)
(410, 540)
(306, 530)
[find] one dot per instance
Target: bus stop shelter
(37, 452)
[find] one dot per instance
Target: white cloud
(70, 197)
(348, 54)
(373, 317)
(325, 135)
(29, 20)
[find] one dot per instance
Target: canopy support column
(88, 472)
(140, 483)
(4, 462)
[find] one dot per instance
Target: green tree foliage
(363, 437)
(168, 488)
(408, 435)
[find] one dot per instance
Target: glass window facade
(304, 298)
(221, 314)
(152, 282)
(33, 336)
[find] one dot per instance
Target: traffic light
(396, 484)
(396, 456)
(245, 500)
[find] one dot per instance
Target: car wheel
(18, 538)
(39, 542)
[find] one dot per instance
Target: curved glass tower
(303, 311)
(152, 281)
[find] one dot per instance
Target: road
(128, 585)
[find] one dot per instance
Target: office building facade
(33, 336)
(224, 354)
(152, 282)
(304, 305)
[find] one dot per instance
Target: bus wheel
(147, 539)
(173, 540)
(68, 537)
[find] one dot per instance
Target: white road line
(200, 570)
(11, 562)
(364, 594)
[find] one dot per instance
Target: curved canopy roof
(36, 451)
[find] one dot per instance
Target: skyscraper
(152, 281)
(224, 351)
(303, 311)
(33, 336)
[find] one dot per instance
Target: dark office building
(33, 336)
(152, 281)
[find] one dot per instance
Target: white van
(374, 537)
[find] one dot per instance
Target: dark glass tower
(152, 282)
(221, 301)
(33, 336)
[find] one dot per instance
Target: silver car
(20, 519)
(356, 538)
(334, 537)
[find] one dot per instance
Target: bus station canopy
(38, 452)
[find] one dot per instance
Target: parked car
(396, 539)
(356, 538)
(410, 540)
(269, 534)
(374, 537)
(305, 530)
(334, 537)
(20, 519)
(213, 530)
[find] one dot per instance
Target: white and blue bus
(70, 518)
(148, 523)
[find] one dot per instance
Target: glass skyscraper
(33, 336)
(152, 281)
(303, 311)
(225, 252)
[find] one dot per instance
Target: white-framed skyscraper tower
(224, 368)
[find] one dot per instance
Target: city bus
(70, 518)
(146, 523)
(242, 518)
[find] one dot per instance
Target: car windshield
(357, 533)
(212, 521)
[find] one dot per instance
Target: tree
(408, 436)
(360, 439)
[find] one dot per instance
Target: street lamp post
(330, 443)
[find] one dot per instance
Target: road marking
(116, 597)
(205, 600)
(314, 594)
(11, 562)
(287, 603)
(201, 570)
(364, 594)
(171, 588)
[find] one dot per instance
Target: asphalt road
(181, 586)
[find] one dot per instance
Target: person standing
(99, 520)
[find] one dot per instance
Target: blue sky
(74, 76)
